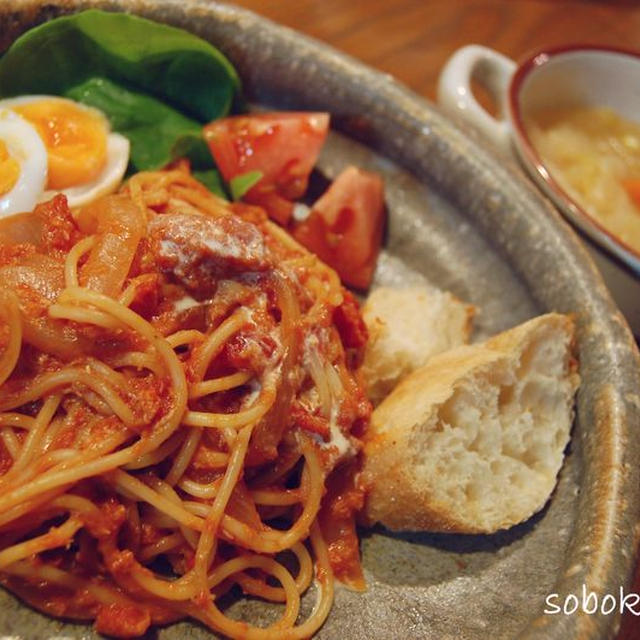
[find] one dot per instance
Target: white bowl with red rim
(566, 76)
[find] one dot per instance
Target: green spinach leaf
(239, 185)
(173, 65)
(158, 133)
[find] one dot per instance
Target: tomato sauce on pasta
(178, 409)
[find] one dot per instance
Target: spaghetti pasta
(182, 437)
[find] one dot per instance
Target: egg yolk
(9, 170)
(75, 138)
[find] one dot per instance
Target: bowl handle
(493, 72)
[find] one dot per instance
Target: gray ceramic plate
(467, 223)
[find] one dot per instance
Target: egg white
(26, 147)
(106, 182)
(116, 161)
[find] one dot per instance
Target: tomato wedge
(345, 226)
(282, 146)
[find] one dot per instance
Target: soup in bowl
(570, 115)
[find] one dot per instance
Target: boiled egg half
(23, 164)
(83, 158)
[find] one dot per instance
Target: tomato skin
(344, 228)
(283, 146)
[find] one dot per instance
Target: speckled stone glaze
(467, 222)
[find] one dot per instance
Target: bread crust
(406, 485)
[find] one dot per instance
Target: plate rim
(507, 209)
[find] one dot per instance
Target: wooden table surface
(412, 39)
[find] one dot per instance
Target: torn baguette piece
(473, 441)
(407, 326)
